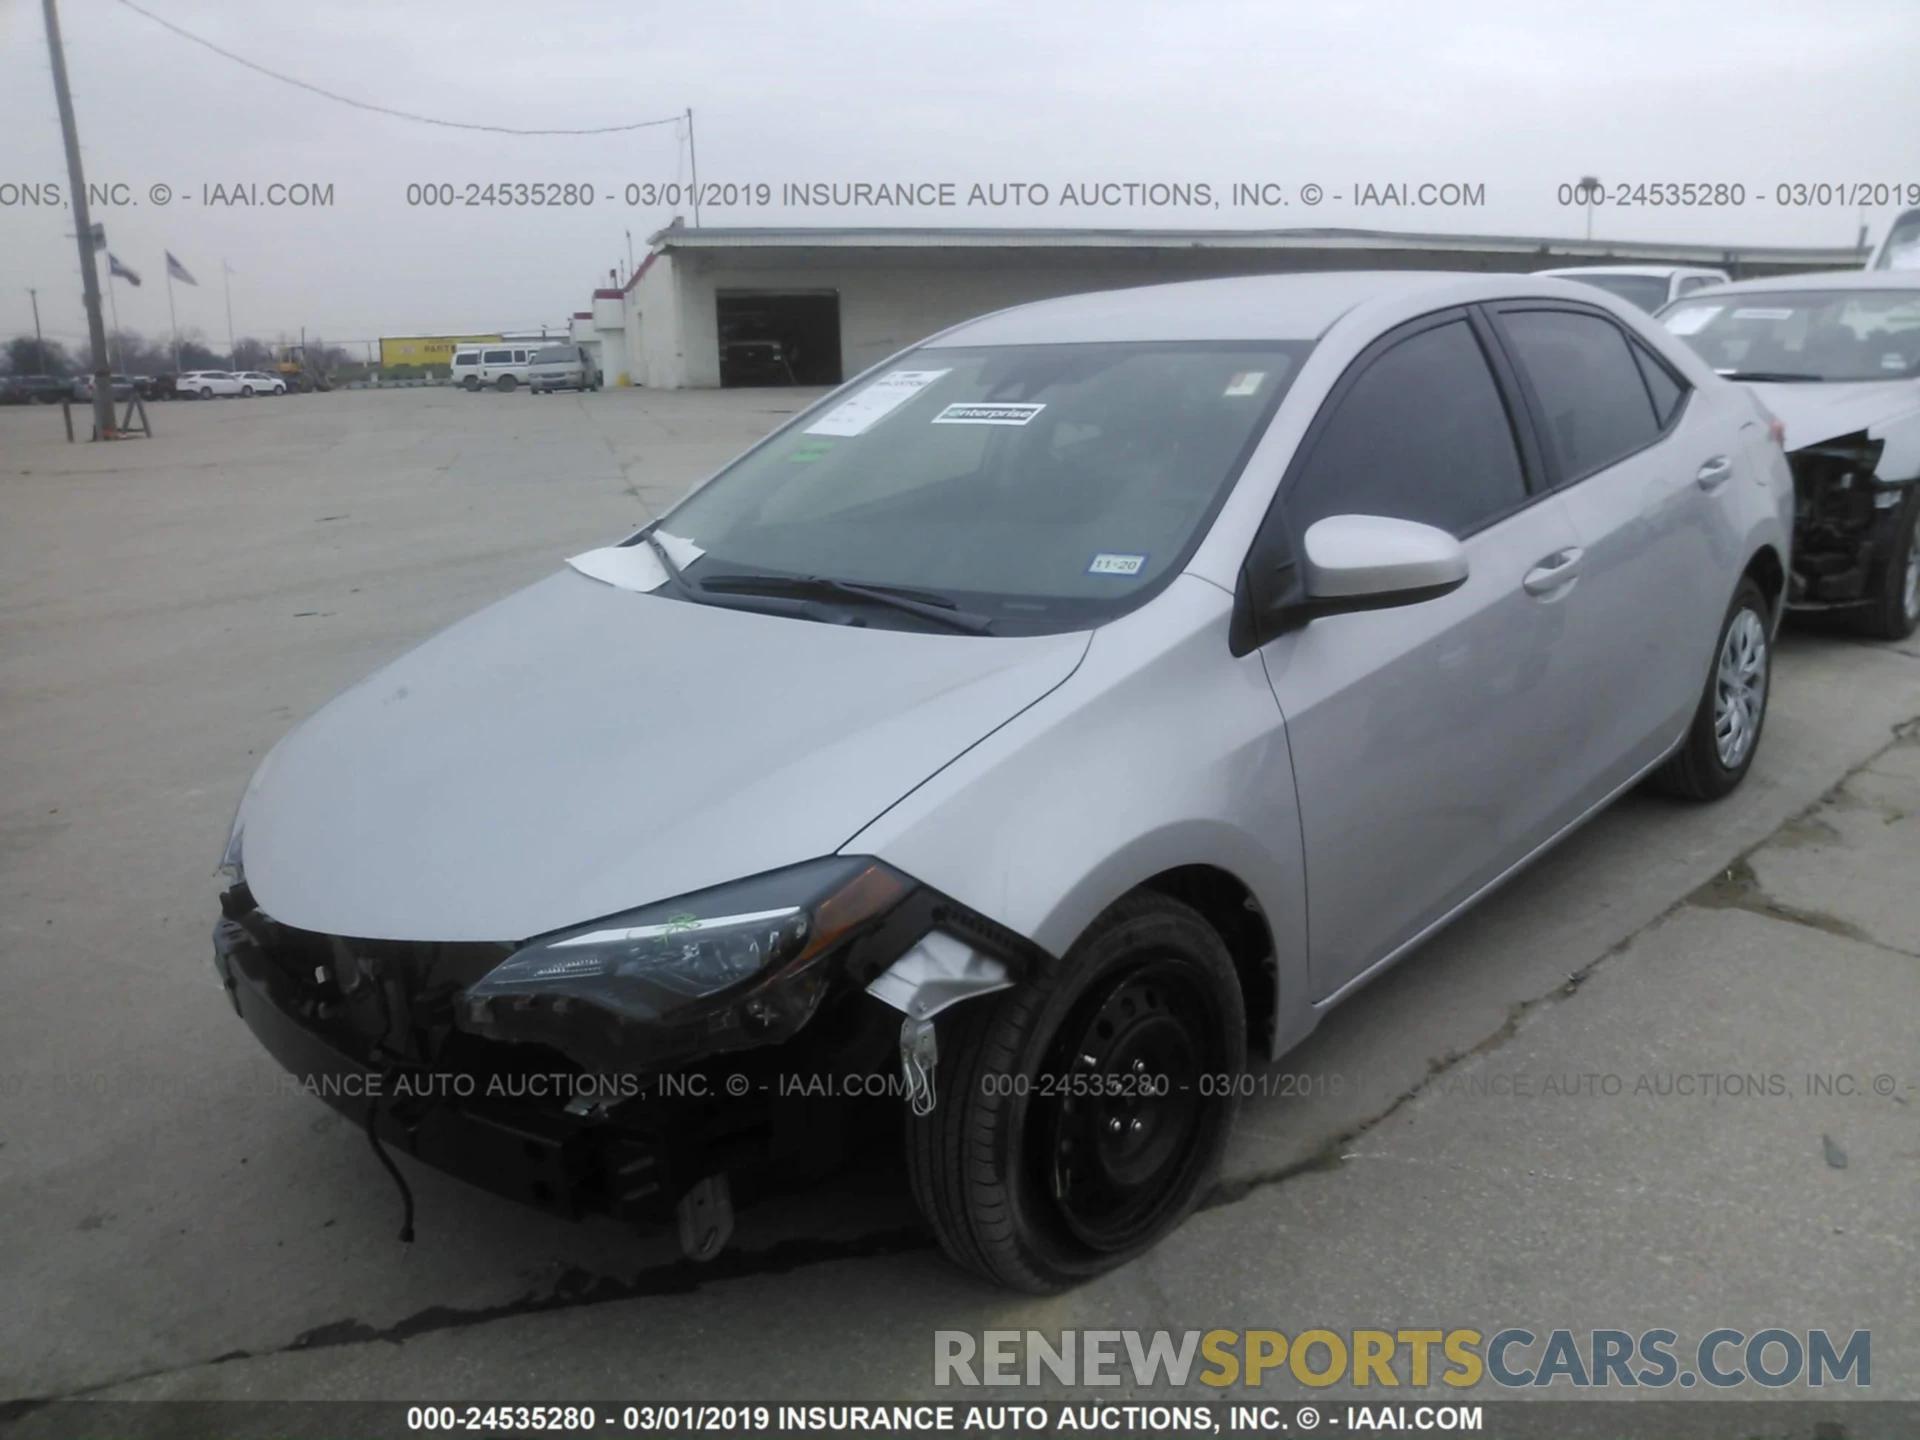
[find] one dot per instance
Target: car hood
(1883, 409)
(581, 749)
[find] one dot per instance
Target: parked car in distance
(210, 384)
(258, 382)
(34, 389)
(1647, 286)
(1837, 358)
(165, 387)
(754, 360)
(1899, 248)
(123, 388)
(562, 367)
(1084, 700)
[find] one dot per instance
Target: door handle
(1555, 572)
(1715, 473)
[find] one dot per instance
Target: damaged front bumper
(1848, 523)
(384, 1033)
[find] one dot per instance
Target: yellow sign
(426, 349)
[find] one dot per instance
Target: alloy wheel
(1740, 689)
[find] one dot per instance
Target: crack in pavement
(1734, 888)
(575, 1289)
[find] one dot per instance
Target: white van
(1900, 247)
(497, 365)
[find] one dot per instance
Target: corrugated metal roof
(680, 237)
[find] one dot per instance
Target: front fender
(1163, 750)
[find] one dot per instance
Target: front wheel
(471, 384)
(1082, 1113)
(1895, 611)
(506, 384)
(1725, 732)
(206, 392)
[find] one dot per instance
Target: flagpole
(173, 323)
(226, 279)
(113, 304)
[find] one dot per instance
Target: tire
(471, 384)
(1151, 991)
(246, 392)
(1895, 612)
(206, 392)
(1705, 768)
(506, 384)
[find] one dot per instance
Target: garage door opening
(789, 339)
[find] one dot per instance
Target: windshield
(1901, 249)
(553, 355)
(1649, 292)
(1040, 487)
(1812, 335)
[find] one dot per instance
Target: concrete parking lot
(173, 1226)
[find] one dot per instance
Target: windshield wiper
(1775, 377)
(675, 575)
(920, 603)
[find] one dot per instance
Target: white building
(840, 300)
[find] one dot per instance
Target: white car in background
(1900, 247)
(1836, 358)
(258, 382)
(1648, 286)
(206, 384)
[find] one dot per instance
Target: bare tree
(28, 356)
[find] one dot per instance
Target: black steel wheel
(1078, 1117)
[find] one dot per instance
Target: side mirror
(1343, 563)
(1366, 562)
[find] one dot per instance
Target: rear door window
(1593, 402)
(1666, 389)
(498, 357)
(1422, 434)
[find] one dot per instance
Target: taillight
(1777, 430)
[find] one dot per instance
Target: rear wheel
(1725, 733)
(206, 392)
(1083, 1112)
(1895, 612)
(506, 383)
(471, 384)
(246, 392)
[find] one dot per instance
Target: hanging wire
(385, 109)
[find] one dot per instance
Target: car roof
(1301, 305)
(1661, 272)
(1820, 280)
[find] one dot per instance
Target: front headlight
(741, 964)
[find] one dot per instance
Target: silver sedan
(1041, 728)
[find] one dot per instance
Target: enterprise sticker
(983, 414)
(1247, 382)
(1109, 564)
(1756, 312)
(1692, 319)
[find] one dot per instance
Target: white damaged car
(1837, 358)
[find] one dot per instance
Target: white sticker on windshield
(984, 414)
(1692, 319)
(862, 412)
(1109, 564)
(1247, 382)
(1756, 312)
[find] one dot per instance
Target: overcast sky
(1518, 98)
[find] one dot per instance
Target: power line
(384, 109)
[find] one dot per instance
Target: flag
(177, 271)
(115, 268)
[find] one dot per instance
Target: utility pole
(89, 269)
(39, 345)
(693, 161)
